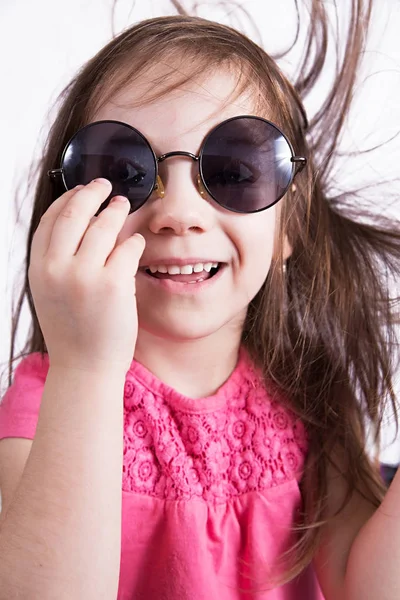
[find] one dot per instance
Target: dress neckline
(241, 374)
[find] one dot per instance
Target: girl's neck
(195, 368)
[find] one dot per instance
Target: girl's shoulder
(29, 374)
(20, 404)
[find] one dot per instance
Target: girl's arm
(61, 535)
(374, 564)
(359, 556)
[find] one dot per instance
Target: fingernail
(79, 187)
(102, 180)
(139, 236)
(118, 199)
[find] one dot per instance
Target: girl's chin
(179, 329)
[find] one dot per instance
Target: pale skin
(182, 339)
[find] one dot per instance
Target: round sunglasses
(246, 163)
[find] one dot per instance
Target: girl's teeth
(172, 270)
(184, 270)
(187, 270)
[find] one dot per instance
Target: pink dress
(210, 486)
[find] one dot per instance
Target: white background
(43, 43)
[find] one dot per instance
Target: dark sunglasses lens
(246, 164)
(114, 151)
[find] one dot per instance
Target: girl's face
(185, 228)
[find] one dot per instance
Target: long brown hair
(324, 331)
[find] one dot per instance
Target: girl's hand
(83, 286)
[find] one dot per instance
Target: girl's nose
(184, 207)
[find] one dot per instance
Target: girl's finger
(127, 253)
(101, 235)
(42, 235)
(73, 219)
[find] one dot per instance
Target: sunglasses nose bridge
(159, 187)
(177, 153)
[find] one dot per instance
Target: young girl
(226, 367)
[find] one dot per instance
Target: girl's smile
(184, 279)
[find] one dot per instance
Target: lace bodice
(178, 448)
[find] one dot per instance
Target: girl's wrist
(89, 367)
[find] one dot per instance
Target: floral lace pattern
(249, 443)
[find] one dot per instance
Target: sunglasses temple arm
(53, 174)
(300, 163)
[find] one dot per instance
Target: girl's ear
(287, 248)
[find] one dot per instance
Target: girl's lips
(182, 278)
(180, 287)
